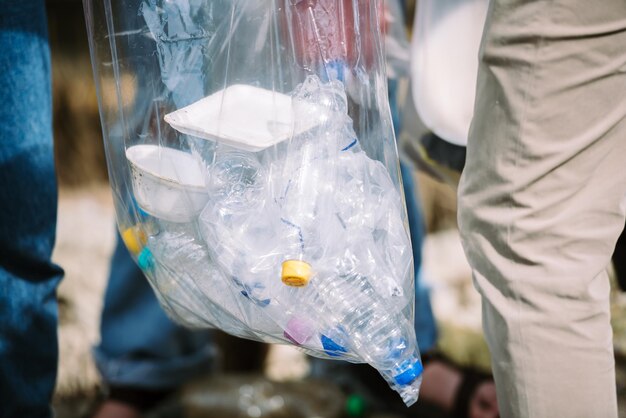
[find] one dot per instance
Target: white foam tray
(245, 117)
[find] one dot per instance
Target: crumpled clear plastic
(255, 174)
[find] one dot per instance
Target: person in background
(619, 261)
(28, 192)
(143, 357)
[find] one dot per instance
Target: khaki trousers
(542, 200)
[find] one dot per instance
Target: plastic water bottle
(305, 205)
(246, 235)
(305, 183)
(360, 322)
(233, 216)
(370, 208)
(240, 225)
(339, 208)
(169, 260)
(196, 292)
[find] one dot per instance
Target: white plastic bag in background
(444, 64)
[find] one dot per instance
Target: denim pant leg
(424, 322)
(28, 205)
(140, 346)
(425, 325)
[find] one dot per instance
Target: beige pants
(543, 200)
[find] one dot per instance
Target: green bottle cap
(355, 406)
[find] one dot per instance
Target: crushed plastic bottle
(240, 225)
(184, 273)
(357, 321)
(317, 242)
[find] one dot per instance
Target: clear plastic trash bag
(255, 173)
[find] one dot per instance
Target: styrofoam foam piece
(245, 117)
(167, 183)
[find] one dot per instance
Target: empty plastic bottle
(240, 225)
(370, 210)
(183, 271)
(360, 322)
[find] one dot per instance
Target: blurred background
(86, 238)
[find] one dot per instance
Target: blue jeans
(140, 346)
(425, 325)
(28, 204)
(424, 321)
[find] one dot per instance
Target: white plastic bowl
(168, 184)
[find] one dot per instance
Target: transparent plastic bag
(255, 172)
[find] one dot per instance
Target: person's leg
(542, 200)
(424, 321)
(425, 325)
(619, 259)
(142, 352)
(28, 196)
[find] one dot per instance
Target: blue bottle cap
(410, 373)
(145, 260)
(331, 347)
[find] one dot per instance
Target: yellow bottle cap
(296, 273)
(134, 238)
